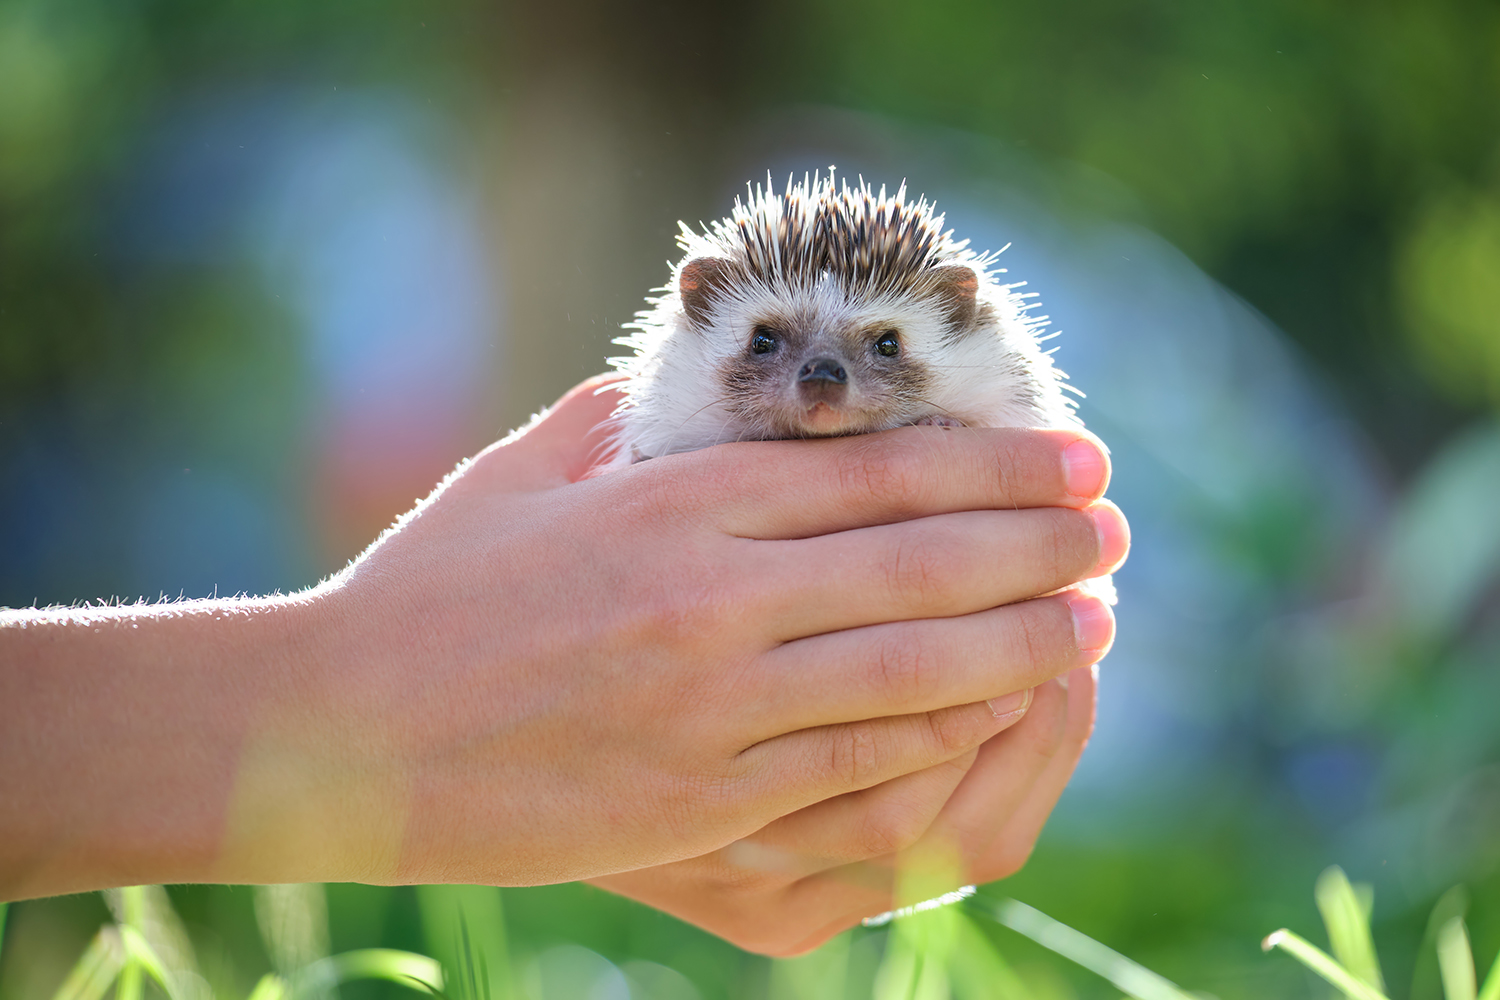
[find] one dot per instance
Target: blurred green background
(268, 270)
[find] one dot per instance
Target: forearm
(536, 677)
(123, 732)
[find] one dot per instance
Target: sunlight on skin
(781, 892)
(155, 727)
(560, 724)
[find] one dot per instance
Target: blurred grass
(1354, 968)
(932, 951)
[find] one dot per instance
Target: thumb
(560, 444)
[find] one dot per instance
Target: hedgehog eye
(764, 341)
(889, 345)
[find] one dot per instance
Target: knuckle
(891, 828)
(657, 495)
(855, 755)
(728, 878)
(690, 609)
(663, 493)
(1074, 544)
(1054, 552)
(1011, 468)
(1031, 636)
(948, 732)
(885, 474)
(684, 806)
(925, 567)
(904, 666)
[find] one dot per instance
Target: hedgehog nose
(823, 370)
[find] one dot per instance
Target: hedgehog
(825, 310)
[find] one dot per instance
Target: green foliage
(464, 926)
(933, 951)
(1335, 165)
(1346, 910)
(1449, 296)
(1135, 980)
(1356, 971)
(141, 944)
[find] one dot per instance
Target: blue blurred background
(267, 271)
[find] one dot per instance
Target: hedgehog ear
(700, 282)
(956, 286)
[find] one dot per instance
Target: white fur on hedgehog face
(816, 362)
(700, 383)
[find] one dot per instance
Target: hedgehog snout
(823, 370)
(822, 380)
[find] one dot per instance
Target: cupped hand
(538, 676)
(806, 877)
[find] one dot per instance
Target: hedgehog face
(820, 361)
(795, 379)
(823, 310)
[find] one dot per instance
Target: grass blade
(977, 968)
(1133, 979)
(916, 961)
(417, 972)
(270, 987)
(464, 928)
(1491, 988)
(1426, 976)
(96, 969)
(1456, 960)
(1347, 917)
(129, 984)
(293, 923)
(142, 956)
(1323, 964)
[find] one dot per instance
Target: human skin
(804, 878)
(537, 676)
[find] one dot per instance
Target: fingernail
(1015, 703)
(1093, 623)
(1114, 536)
(1085, 469)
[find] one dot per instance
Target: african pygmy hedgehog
(830, 310)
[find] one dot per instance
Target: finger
(1014, 763)
(787, 773)
(848, 828)
(954, 564)
(776, 918)
(1005, 770)
(1011, 845)
(797, 489)
(1006, 777)
(739, 906)
(761, 869)
(859, 825)
(905, 667)
(557, 447)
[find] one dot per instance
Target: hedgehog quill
(829, 310)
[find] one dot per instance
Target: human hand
(535, 678)
(804, 878)
(650, 665)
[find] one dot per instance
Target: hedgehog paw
(937, 421)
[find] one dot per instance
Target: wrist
(319, 792)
